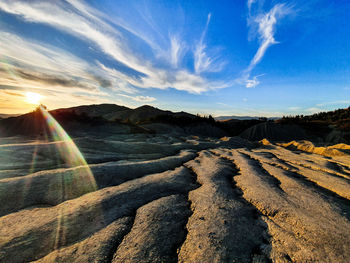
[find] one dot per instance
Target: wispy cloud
(203, 61)
(162, 79)
(313, 110)
(267, 24)
(294, 108)
(250, 3)
(40, 56)
(29, 64)
(143, 99)
(252, 83)
(266, 27)
(82, 24)
(89, 25)
(177, 50)
(337, 102)
(33, 66)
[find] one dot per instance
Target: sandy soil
(157, 198)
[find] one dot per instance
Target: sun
(33, 98)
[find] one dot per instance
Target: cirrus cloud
(264, 25)
(91, 26)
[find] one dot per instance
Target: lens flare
(4, 64)
(81, 179)
(70, 153)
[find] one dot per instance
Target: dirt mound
(306, 146)
(264, 142)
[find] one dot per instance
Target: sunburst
(33, 98)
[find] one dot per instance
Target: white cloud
(314, 110)
(267, 23)
(29, 64)
(177, 50)
(294, 108)
(80, 20)
(203, 61)
(87, 27)
(249, 82)
(337, 102)
(138, 98)
(161, 79)
(64, 17)
(144, 98)
(266, 26)
(54, 73)
(250, 3)
(41, 56)
(223, 104)
(252, 83)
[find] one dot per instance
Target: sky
(228, 57)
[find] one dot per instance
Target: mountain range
(234, 117)
(330, 127)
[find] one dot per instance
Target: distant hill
(142, 114)
(329, 116)
(4, 116)
(233, 117)
(95, 110)
(113, 112)
(327, 127)
(340, 119)
(26, 124)
(330, 127)
(110, 118)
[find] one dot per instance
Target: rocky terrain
(147, 185)
(162, 198)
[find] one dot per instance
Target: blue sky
(250, 57)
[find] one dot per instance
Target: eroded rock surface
(157, 198)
